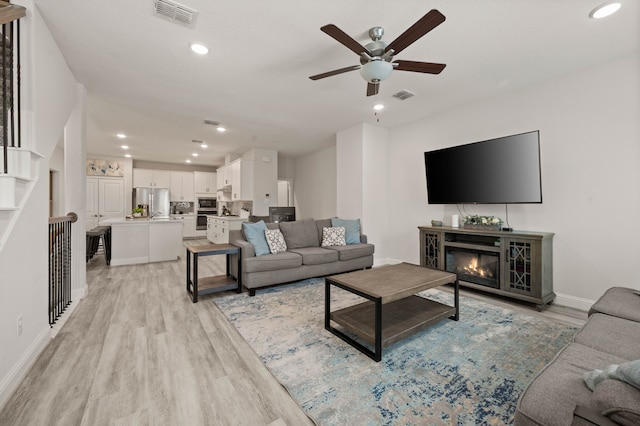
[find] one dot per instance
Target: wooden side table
(205, 285)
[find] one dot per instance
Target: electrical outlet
(19, 325)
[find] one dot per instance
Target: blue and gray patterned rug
(467, 372)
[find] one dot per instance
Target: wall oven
(206, 206)
(201, 218)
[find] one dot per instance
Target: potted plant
(137, 212)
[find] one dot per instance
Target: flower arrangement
(486, 222)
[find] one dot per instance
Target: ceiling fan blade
(425, 67)
(432, 19)
(335, 72)
(344, 39)
(372, 89)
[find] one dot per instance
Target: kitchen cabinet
(104, 199)
(241, 180)
(224, 177)
(188, 225)
(206, 183)
(182, 187)
(146, 178)
(218, 228)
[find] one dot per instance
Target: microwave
(206, 203)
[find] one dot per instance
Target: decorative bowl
(436, 223)
(137, 214)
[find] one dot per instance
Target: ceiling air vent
(404, 95)
(175, 12)
(212, 122)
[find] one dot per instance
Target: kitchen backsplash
(182, 207)
(235, 207)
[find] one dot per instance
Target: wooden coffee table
(392, 311)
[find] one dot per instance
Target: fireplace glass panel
(474, 266)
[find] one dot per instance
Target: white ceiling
(143, 80)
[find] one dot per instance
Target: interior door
(91, 200)
(111, 198)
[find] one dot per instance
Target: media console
(516, 264)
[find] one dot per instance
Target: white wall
(590, 149)
(314, 185)
(50, 96)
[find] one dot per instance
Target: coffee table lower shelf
(400, 319)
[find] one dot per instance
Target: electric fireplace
(474, 266)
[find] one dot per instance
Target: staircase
(16, 186)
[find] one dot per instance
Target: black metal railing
(59, 264)
(10, 15)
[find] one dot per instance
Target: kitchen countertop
(229, 217)
(137, 220)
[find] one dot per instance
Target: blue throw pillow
(254, 233)
(352, 227)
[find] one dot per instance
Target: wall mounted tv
(505, 170)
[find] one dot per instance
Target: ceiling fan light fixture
(376, 71)
(605, 10)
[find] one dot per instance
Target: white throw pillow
(334, 236)
(275, 240)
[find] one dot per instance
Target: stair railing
(10, 15)
(60, 264)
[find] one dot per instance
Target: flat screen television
(504, 170)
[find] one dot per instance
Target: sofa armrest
(363, 239)
(586, 416)
(246, 248)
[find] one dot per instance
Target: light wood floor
(136, 351)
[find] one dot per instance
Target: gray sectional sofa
(304, 258)
(559, 394)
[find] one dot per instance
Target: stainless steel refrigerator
(156, 201)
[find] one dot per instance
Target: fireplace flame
(473, 269)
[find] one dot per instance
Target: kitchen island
(218, 227)
(142, 240)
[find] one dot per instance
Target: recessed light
(200, 49)
(124, 146)
(378, 107)
(221, 129)
(128, 155)
(187, 161)
(121, 136)
(605, 10)
(204, 145)
(195, 154)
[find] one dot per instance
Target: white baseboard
(79, 293)
(10, 383)
(573, 302)
(388, 261)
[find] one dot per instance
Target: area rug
(467, 372)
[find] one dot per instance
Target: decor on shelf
(482, 222)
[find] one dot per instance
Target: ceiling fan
(376, 58)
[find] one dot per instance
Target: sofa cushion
(254, 233)
(272, 262)
(275, 240)
(320, 224)
(333, 236)
(353, 251)
(352, 227)
(620, 302)
(559, 387)
(316, 255)
(300, 233)
(614, 335)
(618, 401)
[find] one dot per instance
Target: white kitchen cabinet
(218, 228)
(206, 183)
(182, 186)
(224, 177)
(146, 178)
(189, 227)
(241, 180)
(104, 199)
